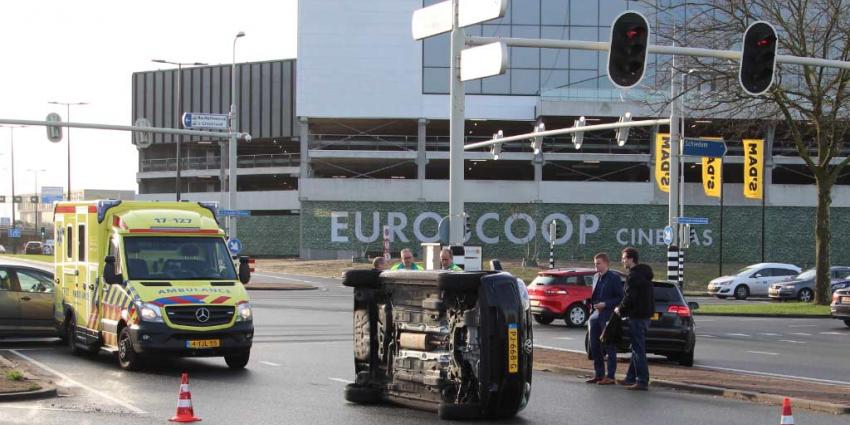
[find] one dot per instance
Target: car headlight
(149, 312)
(243, 312)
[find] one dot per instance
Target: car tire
(847, 322)
(238, 361)
(543, 320)
(128, 359)
(362, 278)
(575, 316)
(449, 411)
(71, 332)
(362, 395)
(686, 359)
(459, 281)
(742, 292)
(806, 295)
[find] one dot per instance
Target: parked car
(47, 248)
(802, 287)
(840, 307)
(842, 283)
(753, 280)
(671, 330)
(562, 294)
(33, 247)
(26, 301)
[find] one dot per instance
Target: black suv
(671, 331)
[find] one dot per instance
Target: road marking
(802, 326)
(793, 342)
(769, 334)
(707, 320)
(832, 333)
(763, 352)
(800, 333)
(72, 382)
(774, 375)
(567, 338)
(706, 336)
(289, 278)
(743, 335)
(546, 347)
(344, 381)
(30, 407)
(270, 363)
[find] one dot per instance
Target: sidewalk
(828, 398)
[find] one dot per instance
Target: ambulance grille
(189, 315)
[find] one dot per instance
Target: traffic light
(627, 49)
(758, 58)
(578, 136)
(43, 231)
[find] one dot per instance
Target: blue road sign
(234, 213)
(14, 233)
(692, 220)
(668, 235)
(234, 245)
(704, 147)
(198, 120)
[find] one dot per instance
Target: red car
(562, 294)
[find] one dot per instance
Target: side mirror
(244, 270)
(693, 305)
(109, 275)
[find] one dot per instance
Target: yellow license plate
(656, 316)
(513, 349)
(204, 343)
(535, 302)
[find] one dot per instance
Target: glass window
(499, 84)
(525, 57)
(583, 12)
(81, 238)
(583, 79)
(554, 12)
(588, 279)
(554, 58)
(583, 59)
(5, 280)
(610, 9)
(69, 243)
(553, 79)
(525, 81)
(32, 281)
(435, 80)
(184, 258)
(472, 87)
(526, 13)
(437, 50)
(496, 30)
(115, 251)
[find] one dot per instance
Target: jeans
(596, 324)
(638, 368)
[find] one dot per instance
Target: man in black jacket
(639, 306)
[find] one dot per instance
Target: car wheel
(71, 332)
(128, 359)
(742, 292)
(847, 322)
(686, 359)
(806, 295)
(543, 320)
(362, 395)
(576, 316)
(238, 361)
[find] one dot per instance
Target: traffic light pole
(673, 205)
(456, 136)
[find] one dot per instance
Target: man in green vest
(446, 262)
(406, 262)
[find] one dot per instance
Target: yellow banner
(753, 168)
(662, 162)
(712, 176)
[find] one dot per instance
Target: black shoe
(592, 380)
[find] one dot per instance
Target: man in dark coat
(607, 294)
(639, 306)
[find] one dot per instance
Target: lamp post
(231, 179)
(38, 200)
(68, 117)
(179, 112)
(12, 161)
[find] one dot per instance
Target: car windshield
(745, 271)
(183, 258)
(667, 294)
(806, 275)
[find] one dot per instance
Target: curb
(787, 316)
(819, 406)
(30, 395)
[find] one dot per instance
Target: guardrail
(214, 163)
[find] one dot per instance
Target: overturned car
(459, 343)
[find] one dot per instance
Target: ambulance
(142, 279)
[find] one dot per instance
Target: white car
(752, 280)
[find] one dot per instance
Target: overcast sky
(86, 51)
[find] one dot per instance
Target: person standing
(406, 261)
(638, 305)
(446, 262)
(607, 294)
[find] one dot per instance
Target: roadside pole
(673, 205)
(553, 227)
(456, 133)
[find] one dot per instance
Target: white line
(289, 278)
(566, 338)
(28, 407)
(763, 352)
(707, 320)
(546, 347)
(802, 326)
(743, 335)
(270, 363)
(769, 334)
(792, 342)
(72, 382)
(344, 381)
(706, 336)
(774, 375)
(832, 333)
(800, 333)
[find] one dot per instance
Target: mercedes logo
(202, 314)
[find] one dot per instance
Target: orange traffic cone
(184, 403)
(787, 417)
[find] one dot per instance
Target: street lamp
(68, 117)
(179, 111)
(231, 180)
(12, 158)
(38, 200)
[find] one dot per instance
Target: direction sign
(51, 194)
(234, 245)
(17, 199)
(437, 18)
(15, 233)
(704, 147)
(668, 235)
(483, 61)
(143, 139)
(692, 220)
(197, 120)
(234, 213)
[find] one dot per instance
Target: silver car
(802, 287)
(26, 301)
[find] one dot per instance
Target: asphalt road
(300, 363)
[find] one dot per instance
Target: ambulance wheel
(362, 278)
(128, 359)
(237, 361)
(71, 333)
(362, 395)
(458, 411)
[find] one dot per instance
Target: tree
(811, 101)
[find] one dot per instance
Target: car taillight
(555, 292)
(680, 310)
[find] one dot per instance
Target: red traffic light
(634, 33)
(627, 49)
(758, 58)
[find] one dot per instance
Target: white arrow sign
(483, 61)
(437, 18)
(206, 121)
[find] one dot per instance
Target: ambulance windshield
(177, 258)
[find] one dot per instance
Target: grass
(14, 375)
(779, 308)
(33, 257)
